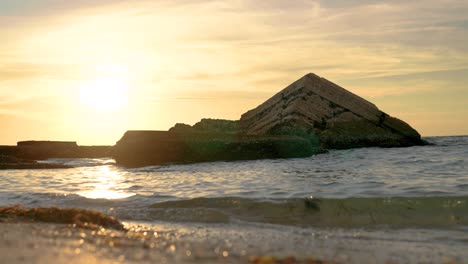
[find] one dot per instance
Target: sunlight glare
(105, 187)
(105, 194)
(104, 94)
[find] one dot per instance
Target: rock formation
(41, 150)
(339, 118)
(25, 154)
(184, 144)
(218, 126)
(306, 117)
(14, 163)
(38, 150)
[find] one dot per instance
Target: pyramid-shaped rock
(306, 117)
(337, 117)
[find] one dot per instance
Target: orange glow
(106, 185)
(89, 72)
(104, 94)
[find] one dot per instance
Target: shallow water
(372, 188)
(373, 173)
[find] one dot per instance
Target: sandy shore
(196, 243)
(58, 243)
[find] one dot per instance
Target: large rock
(316, 107)
(306, 117)
(184, 144)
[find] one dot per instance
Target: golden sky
(89, 70)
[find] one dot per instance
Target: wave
(461, 140)
(400, 212)
(82, 162)
(348, 212)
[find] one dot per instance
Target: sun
(104, 94)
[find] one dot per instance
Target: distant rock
(32, 166)
(319, 108)
(310, 115)
(26, 153)
(10, 159)
(41, 150)
(14, 163)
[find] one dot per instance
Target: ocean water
(415, 195)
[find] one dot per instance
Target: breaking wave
(348, 212)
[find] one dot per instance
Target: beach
(368, 205)
(195, 243)
(256, 132)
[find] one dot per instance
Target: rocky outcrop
(188, 145)
(92, 152)
(41, 150)
(208, 125)
(316, 107)
(14, 163)
(306, 117)
(26, 154)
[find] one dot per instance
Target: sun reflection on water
(107, 186)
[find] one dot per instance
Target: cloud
(19, 73)
(22, 71)
(32, 107)
(195, 53)
(429, 85)
(54, 7)
(44, 7)
(214, 96)
(460, 75)
(404, 23)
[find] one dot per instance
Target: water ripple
(367, 172)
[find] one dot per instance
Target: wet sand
(201, 243)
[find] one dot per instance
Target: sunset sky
(89, 70)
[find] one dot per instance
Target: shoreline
(60, 243)
(164, 242)
(54, 234)
(374, 206)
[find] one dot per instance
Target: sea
(365, 205)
